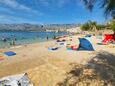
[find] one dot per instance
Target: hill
(35, 27)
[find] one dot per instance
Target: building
(74, 30)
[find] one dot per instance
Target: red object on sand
(109, 37)
(74, 47)
(64, 36)
(1, 59)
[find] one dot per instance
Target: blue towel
(9, 53)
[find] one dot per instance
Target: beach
(57, 42)
(46, 67)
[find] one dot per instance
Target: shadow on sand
(100, 71)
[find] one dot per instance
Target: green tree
(100, 27)
(93, 25)
(107, 5)
(85, 26)
(112, 25)
(90, 25)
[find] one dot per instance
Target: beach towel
(61, 40)
(15, 80)
(74, 47)
(85, 45)
(102, 43)
(69, 48)
(55, 48)
(10, 53)
(1, 57)
(109, 37)
(62, 43)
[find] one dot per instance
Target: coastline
(22, 45)
(9, 39)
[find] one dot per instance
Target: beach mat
(56, 48)
(102, 43)
(1, 57)
(10, 53)
(16, 80)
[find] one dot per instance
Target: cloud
(56, 3)
(6, 11)
(13, 19)
(8, 17)
(14, 4)
(62, 3)
(2, 17)
(17, 6)
(44, 2)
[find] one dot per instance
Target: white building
(74, 30)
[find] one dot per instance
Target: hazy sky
(47, 11)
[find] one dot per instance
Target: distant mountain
(35, 27)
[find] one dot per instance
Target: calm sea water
(26, 37)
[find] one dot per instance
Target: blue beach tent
(9, 53)
(85, 45)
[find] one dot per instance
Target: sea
(25, 37)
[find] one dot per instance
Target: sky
(48, 12)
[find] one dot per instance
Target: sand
(45, 67)
(99, 71)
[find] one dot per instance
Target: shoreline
(9, 39)
(22, 45)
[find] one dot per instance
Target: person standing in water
(54, 37)
(47, 37)
(4, 39)
(14, 41)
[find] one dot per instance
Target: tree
(100, 27)
(112, 25)
(93, 25)
(85, 26)
(90, 25)
(107, 5)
